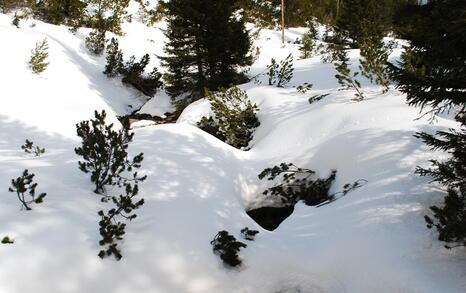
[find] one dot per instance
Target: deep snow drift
(372, 240)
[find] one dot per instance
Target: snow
(372, 240)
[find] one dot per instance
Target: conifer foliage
(114, 64)
(206, 46)
(432, 74)
(111, 227)
(30, 148)
(25, 187)
(235, 116)
(280, 74)
(105, 154)
(227, 247)
(38, 61)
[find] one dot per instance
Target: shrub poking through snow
(300, 184)
(112, 229)
(7, 240)
(308, 45)
(37, 62)
(280, 75)
(30, 148)
(316, 98)
(227, 247)
(235, 116)
(114, 64)
(249, 234)
(16, 20)
(304, 88)
(133, 74)
(105, 155)
(95, 41)
(210, 126)
(24, 187)
(345, 78)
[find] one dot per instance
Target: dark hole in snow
(270, 218)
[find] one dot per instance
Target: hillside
(372, 240)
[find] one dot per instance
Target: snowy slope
(373, 240)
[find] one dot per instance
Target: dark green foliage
(133, 75)
(227, 247)
(298, 184)
(280, 75)
(363, 24)
(206, 45)
(272, 71)
(95, 41)
(69, 12)
(25, 185)
(432, 73)
(316, 98)
(210, 126)
(450, 219)
(114, 64)
(112, 229)
(304, 88)
(235, 116)
(308, 45)
(249, 234)
(16, 20)
(37, 62)
(107, 15)
(30, 148)
(7, 240)
(345, 78)
(104, 153)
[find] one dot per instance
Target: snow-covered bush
(227, 247)
(111, 226)
(301, 184)
(25, 186)
(30, 148)
(133, 74)
(235, 116)
(210, 126)
(114, 64)
(249, 234)
(95, 41)
(7, 240)
(280, 74)
(105, 155)
(308, 45)
(298, 184)
(37, 62)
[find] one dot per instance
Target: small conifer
(37, 62)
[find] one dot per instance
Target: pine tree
(37, 62)
(308, 45)
(364, 24)
(24, 185)
(432, 74)
(70, 12)
(105, 155)
(133, 74)
(206, 45)
(114, 64)
(235, 115)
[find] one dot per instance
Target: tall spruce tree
(432, 73)
(206, 45)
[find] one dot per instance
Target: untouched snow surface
(372, 240)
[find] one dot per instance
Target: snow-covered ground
(372, 240)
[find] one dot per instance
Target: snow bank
(373, 240)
